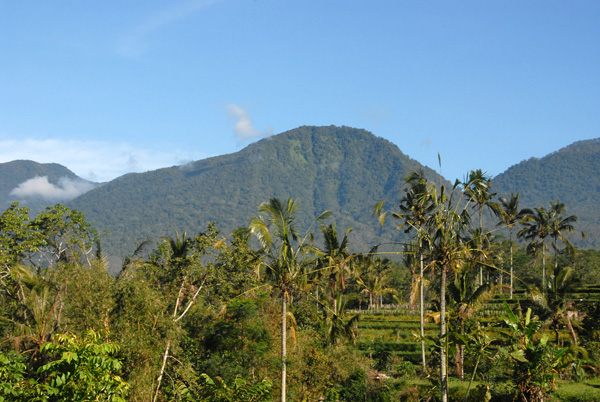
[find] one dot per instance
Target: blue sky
(109, 87)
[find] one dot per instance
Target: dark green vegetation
(336, 168)
(14, 173)
(570, 175)
(325, 168)
(271, 311)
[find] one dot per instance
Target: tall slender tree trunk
(283, 345)
(443, 344)
(543, 269)
(460, 355)
(511, 265)
(422, 310)
(459, 363)
(162, 370)
(480, 249)
(571, 330)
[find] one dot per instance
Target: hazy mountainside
(571, 174)
(341, 169)
(38, 185)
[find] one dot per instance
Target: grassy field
(389, 336)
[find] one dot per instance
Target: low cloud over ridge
(243, 126)
(39, 186)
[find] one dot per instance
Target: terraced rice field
(395, 330)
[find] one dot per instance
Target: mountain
(341, 169)
(571, 175)
(38, 185)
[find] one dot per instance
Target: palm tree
(372, 274)
(415, 208)
(554, 306)
(477, 187)
(275, 229)
(448, 250)
(559, 226)
(466, 298)
(509, 215)
(334, 261)
(536, 229)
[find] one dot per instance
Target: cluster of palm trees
(461, 256)
(295, 266)
(447, 244)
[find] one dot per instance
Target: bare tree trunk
(422, 311)
(175, 319)
(443, 363)
(543, 270)
(571, 330)
(283, 346)
(162, 370)
(511, 265)
(459, 363)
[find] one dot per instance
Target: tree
(535, 361)
(447, 250)
(17, 237)
(334, 261)
(559, 226)
(372, 274)
(83, 370)
(415, 208)
(536, 229)
(189, 273)
(509, 215)
(66, 235)
(275, 230)
(466, 298)
(477, 187)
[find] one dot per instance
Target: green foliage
(67, 236)
(217, 390)
(569, 174)
(536, 361)
(82, 370)
(75, 370)
(341, 169)
(16, 172)
(236, 344)
(14, 384)
(17, 237)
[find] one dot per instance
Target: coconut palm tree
(334, 261)
(448, 249)
(509, 215)
(560, 225)
(276, 231)
(372, 274)
(477, 187)
(536, 229)
(415, 208)
(467, 297)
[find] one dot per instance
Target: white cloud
(39, 186)
(243, 126)
(94, 160)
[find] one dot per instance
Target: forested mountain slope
(341, 169)
(571, 174)
(60, 184)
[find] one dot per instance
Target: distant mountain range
(37, 185)
(341, 169)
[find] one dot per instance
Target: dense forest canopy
(271, 311)
(341, 169)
